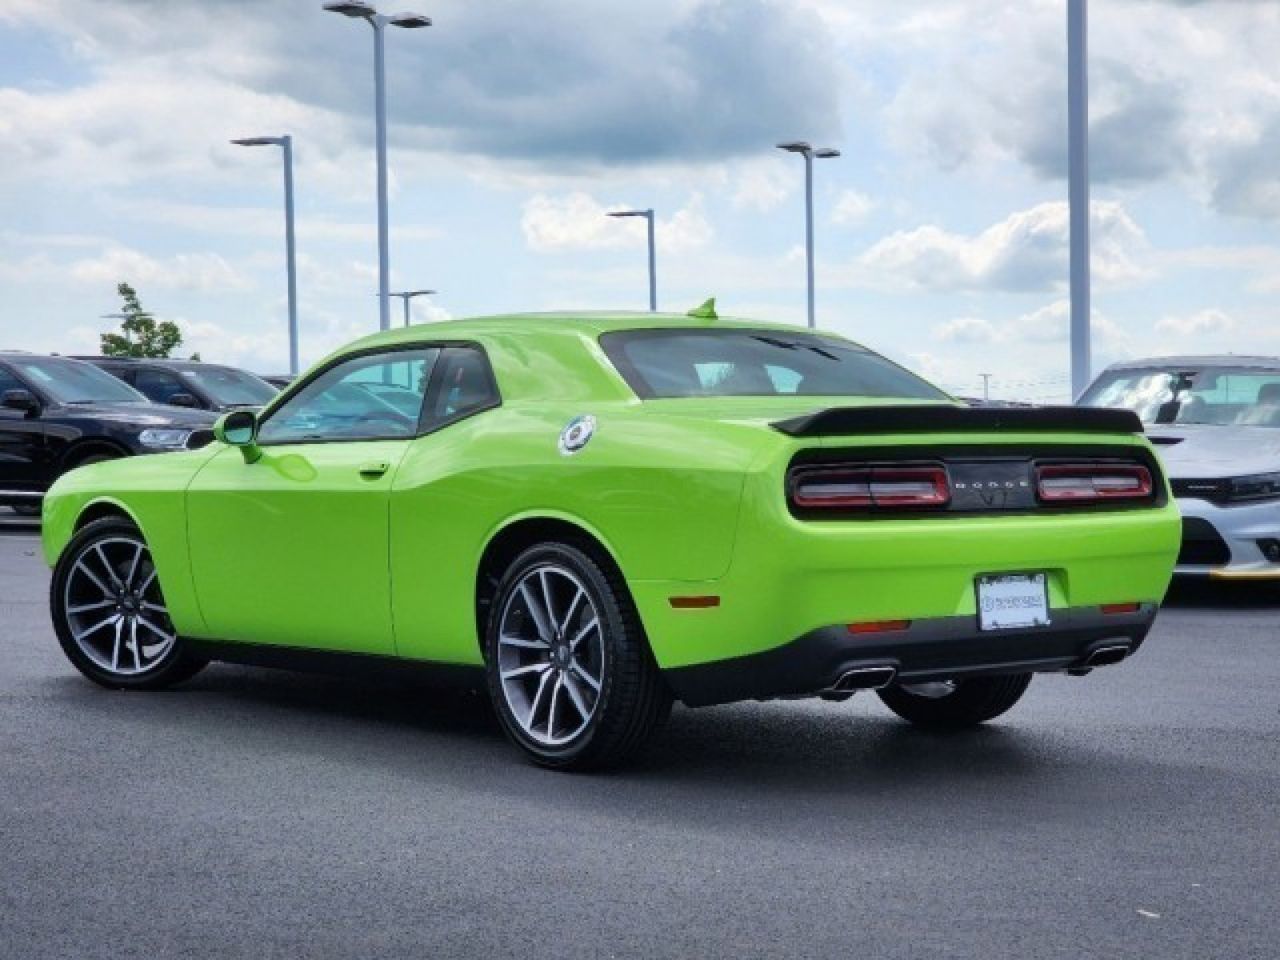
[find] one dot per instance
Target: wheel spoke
(105, 622)
(538, 668)
(86, 607)
(154, 629)
(548, 604)
(581, 671)
(539, 618)
(521, 642)
(571, 687)
(537, 698)
(156, 607)
(573, 608)
(115, 647)
(133, 642)
(133, 565)
(111, 571)
(83, 568)
(551, 710)
(577, 637)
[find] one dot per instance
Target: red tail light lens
(1092, 482)
(837, 488)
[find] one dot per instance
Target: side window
(373, 397)
(156, 385)
(9, 382)
(463, 384)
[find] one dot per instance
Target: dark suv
(57, 413)
(190, 383)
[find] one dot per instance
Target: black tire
(632, 701)
(973, 701)
(111, 538)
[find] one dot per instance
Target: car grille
(1214, 490)
(1202, 545)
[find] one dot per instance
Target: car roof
(1208, 360)
(585, 323)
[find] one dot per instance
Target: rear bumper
(938, 648)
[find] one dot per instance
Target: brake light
(1092, 482)
(878, 626)
(870, 487)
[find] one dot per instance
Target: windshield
(71, 381)
(230, 388)
(1221, 396)
(756, 363)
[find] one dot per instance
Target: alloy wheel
(114, 608)
(551, 659)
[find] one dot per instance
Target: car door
(292, 549)
(22, 443)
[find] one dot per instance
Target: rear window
(756, 363)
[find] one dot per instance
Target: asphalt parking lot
(1133, 813)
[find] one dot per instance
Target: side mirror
(23, 400)
(239, 428)
(183, 400)
(1167, 412)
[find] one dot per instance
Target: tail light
(1092, 482)
(870, 487)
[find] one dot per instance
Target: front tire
(956, 704)
(568, 666)
(109, 612)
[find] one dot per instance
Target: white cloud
(967, 330)
(763, 186)
(1208, 321)
(187, 271)
(852, 208)
(577, 221)
(1027, 251)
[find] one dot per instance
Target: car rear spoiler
(937, 418)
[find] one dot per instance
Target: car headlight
(1259, 486)
(164, 439)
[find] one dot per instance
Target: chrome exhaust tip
(865, 678)
(1107, 655)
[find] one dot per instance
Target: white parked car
(1216, 423)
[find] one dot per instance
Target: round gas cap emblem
(576, 434)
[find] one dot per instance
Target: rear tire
(576, 688)
(110, 615)
(971, 702)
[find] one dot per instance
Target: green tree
(141, 335)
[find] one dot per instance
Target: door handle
(374, 469)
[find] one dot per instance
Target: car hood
(1196, 451)
(142, 415)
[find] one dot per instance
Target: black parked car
(57, 413)
(190, 383)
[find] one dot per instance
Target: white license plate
(1011, 600)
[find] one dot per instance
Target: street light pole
(1078, 191)
(653, 259)
(291, 268)
(406, 296)
(364, 11)
(809, 153)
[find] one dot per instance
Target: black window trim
(613, 343)
(432, 385)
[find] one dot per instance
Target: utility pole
(1078, 190)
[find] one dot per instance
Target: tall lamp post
(364, 11)
(406, 296)
(1078, 191)
(809, 153)
(286, 145)
(653, 259)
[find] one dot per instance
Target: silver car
(1216, 422)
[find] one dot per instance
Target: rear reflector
(1120, 607)
(879, 626)
(1092, 482)
(870, 487)
(694, 603)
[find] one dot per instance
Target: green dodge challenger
(597, 514)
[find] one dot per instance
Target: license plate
(1011, 600)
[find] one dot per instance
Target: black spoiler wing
(934, 418)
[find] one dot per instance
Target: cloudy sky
(516, 124)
